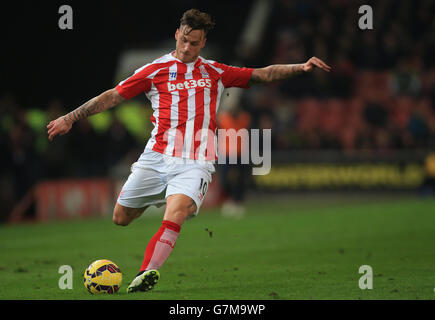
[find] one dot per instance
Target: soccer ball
(102, 276)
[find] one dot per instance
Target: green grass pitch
(304, 247)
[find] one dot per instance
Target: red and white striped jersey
(185, 98)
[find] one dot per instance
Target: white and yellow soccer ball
(102, 276)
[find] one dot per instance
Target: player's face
(189, 43)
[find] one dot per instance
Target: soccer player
(184, 90)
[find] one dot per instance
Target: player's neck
(174, 54)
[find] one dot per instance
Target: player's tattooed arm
(278, 72)
(104, 101)
(275, 72)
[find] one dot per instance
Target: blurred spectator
(233, 176)
(118, 143)
(22, 153)
(405, 79)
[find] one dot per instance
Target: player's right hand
(60, 126)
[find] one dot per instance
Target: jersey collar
(187, 64)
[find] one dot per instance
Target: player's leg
(143, 188)
(184, 197)
(178, 208)
(122, 215)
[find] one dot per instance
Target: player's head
(191, 34)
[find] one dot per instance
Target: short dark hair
(197, 20)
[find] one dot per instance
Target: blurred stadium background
(367, 127)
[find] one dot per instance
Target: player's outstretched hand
(60, 126)
(316, 62)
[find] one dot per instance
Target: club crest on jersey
(204, 72)
(172, 76)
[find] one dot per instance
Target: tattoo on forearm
(93, 106)
(276, 72)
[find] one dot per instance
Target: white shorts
(156, 176)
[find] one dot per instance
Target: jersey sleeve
(137, 83)
(234, 76)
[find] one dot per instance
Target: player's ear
(203, 42)
(176, 34)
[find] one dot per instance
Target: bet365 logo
(189, 84)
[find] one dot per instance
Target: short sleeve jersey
(185, 99)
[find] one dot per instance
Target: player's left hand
(315, 62)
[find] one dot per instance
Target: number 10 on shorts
(203, 188)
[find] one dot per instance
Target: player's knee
(179, 215)
(120, 219)
(179, 208)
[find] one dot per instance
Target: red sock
(160, 246)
